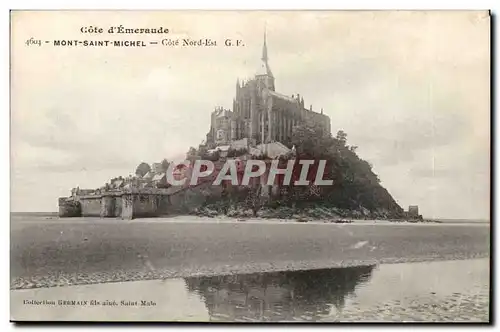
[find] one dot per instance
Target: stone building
(260, 113)
(413, 212)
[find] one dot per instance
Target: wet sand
(57, 252)
(444, 291)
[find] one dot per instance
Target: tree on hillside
(310, 140)
(342, 137)
(164, 165)
(191, 154)
(142, 169)
(354, 182)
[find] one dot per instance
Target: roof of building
(282, 96)
(274, 149)
(158, 176)
(148, 175)
(254, 151)
(223, 147)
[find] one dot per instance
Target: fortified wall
(138, 203)
(133, 203)
(121, 205)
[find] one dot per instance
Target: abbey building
(261, 114)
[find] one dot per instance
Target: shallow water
(429, 291)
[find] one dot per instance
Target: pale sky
(411, 89)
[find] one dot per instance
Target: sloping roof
(148, 175)
(283, 97)
(223, 147)
(254, 151)
(274, 149)
(158, 176)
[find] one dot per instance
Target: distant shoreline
(436, 220)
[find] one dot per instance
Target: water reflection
(278, 296)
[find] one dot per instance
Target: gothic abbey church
(260, 113)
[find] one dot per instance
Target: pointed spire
(264, 48)
(238, 82)
(264, 71)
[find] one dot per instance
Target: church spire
(264, 49)
(265, 69)
(264, 72)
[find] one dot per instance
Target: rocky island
(263, 125)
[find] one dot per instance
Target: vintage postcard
(250, 166)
